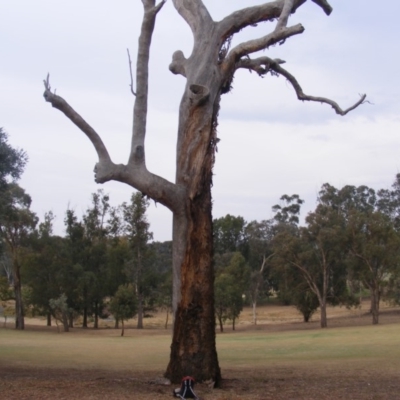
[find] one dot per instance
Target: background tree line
(107, 263)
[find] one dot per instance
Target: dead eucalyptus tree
(208, 71)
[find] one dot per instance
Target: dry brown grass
(280, 358)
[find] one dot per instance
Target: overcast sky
(271, 143)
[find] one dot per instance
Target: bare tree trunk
(324, 320)
(257, 287)
(96, 316)
(65, 321)
(138, 277)
(254, 312)
(19, 306)
(221, 325)
(85, 314)
(116, 326)
(123, 328)
(166, 320)
(71, 320)
(375, 299)
(140, 312)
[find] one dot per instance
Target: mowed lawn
(275, 360)
(149, 349)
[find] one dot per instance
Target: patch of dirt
(273, 383)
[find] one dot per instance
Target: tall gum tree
(208, 71)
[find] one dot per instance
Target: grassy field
(147, 352)
(275, 360)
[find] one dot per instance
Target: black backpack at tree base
(186, 390)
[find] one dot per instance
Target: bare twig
(130, 71)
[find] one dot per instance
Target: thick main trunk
(193, 348)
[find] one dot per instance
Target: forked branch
(195, 14)
(105, 170)
(250, 16)
(287, 9)
(252, 46)
(270, 11)
(263, 65)
(279, 10)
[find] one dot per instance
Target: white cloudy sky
(271, 144)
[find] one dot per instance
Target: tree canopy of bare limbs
(208, 71)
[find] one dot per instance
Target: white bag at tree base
(186, 390)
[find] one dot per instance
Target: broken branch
(59, 103)
(324, 5)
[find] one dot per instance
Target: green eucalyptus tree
(42, 265)
(259, 254)
(17, 222)
(123, 304)
(12, 161)
(94, 279)
(375, 247)
(231, 283)
(15, 218)
(317, 251)
(371, 222)
(137, 230)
